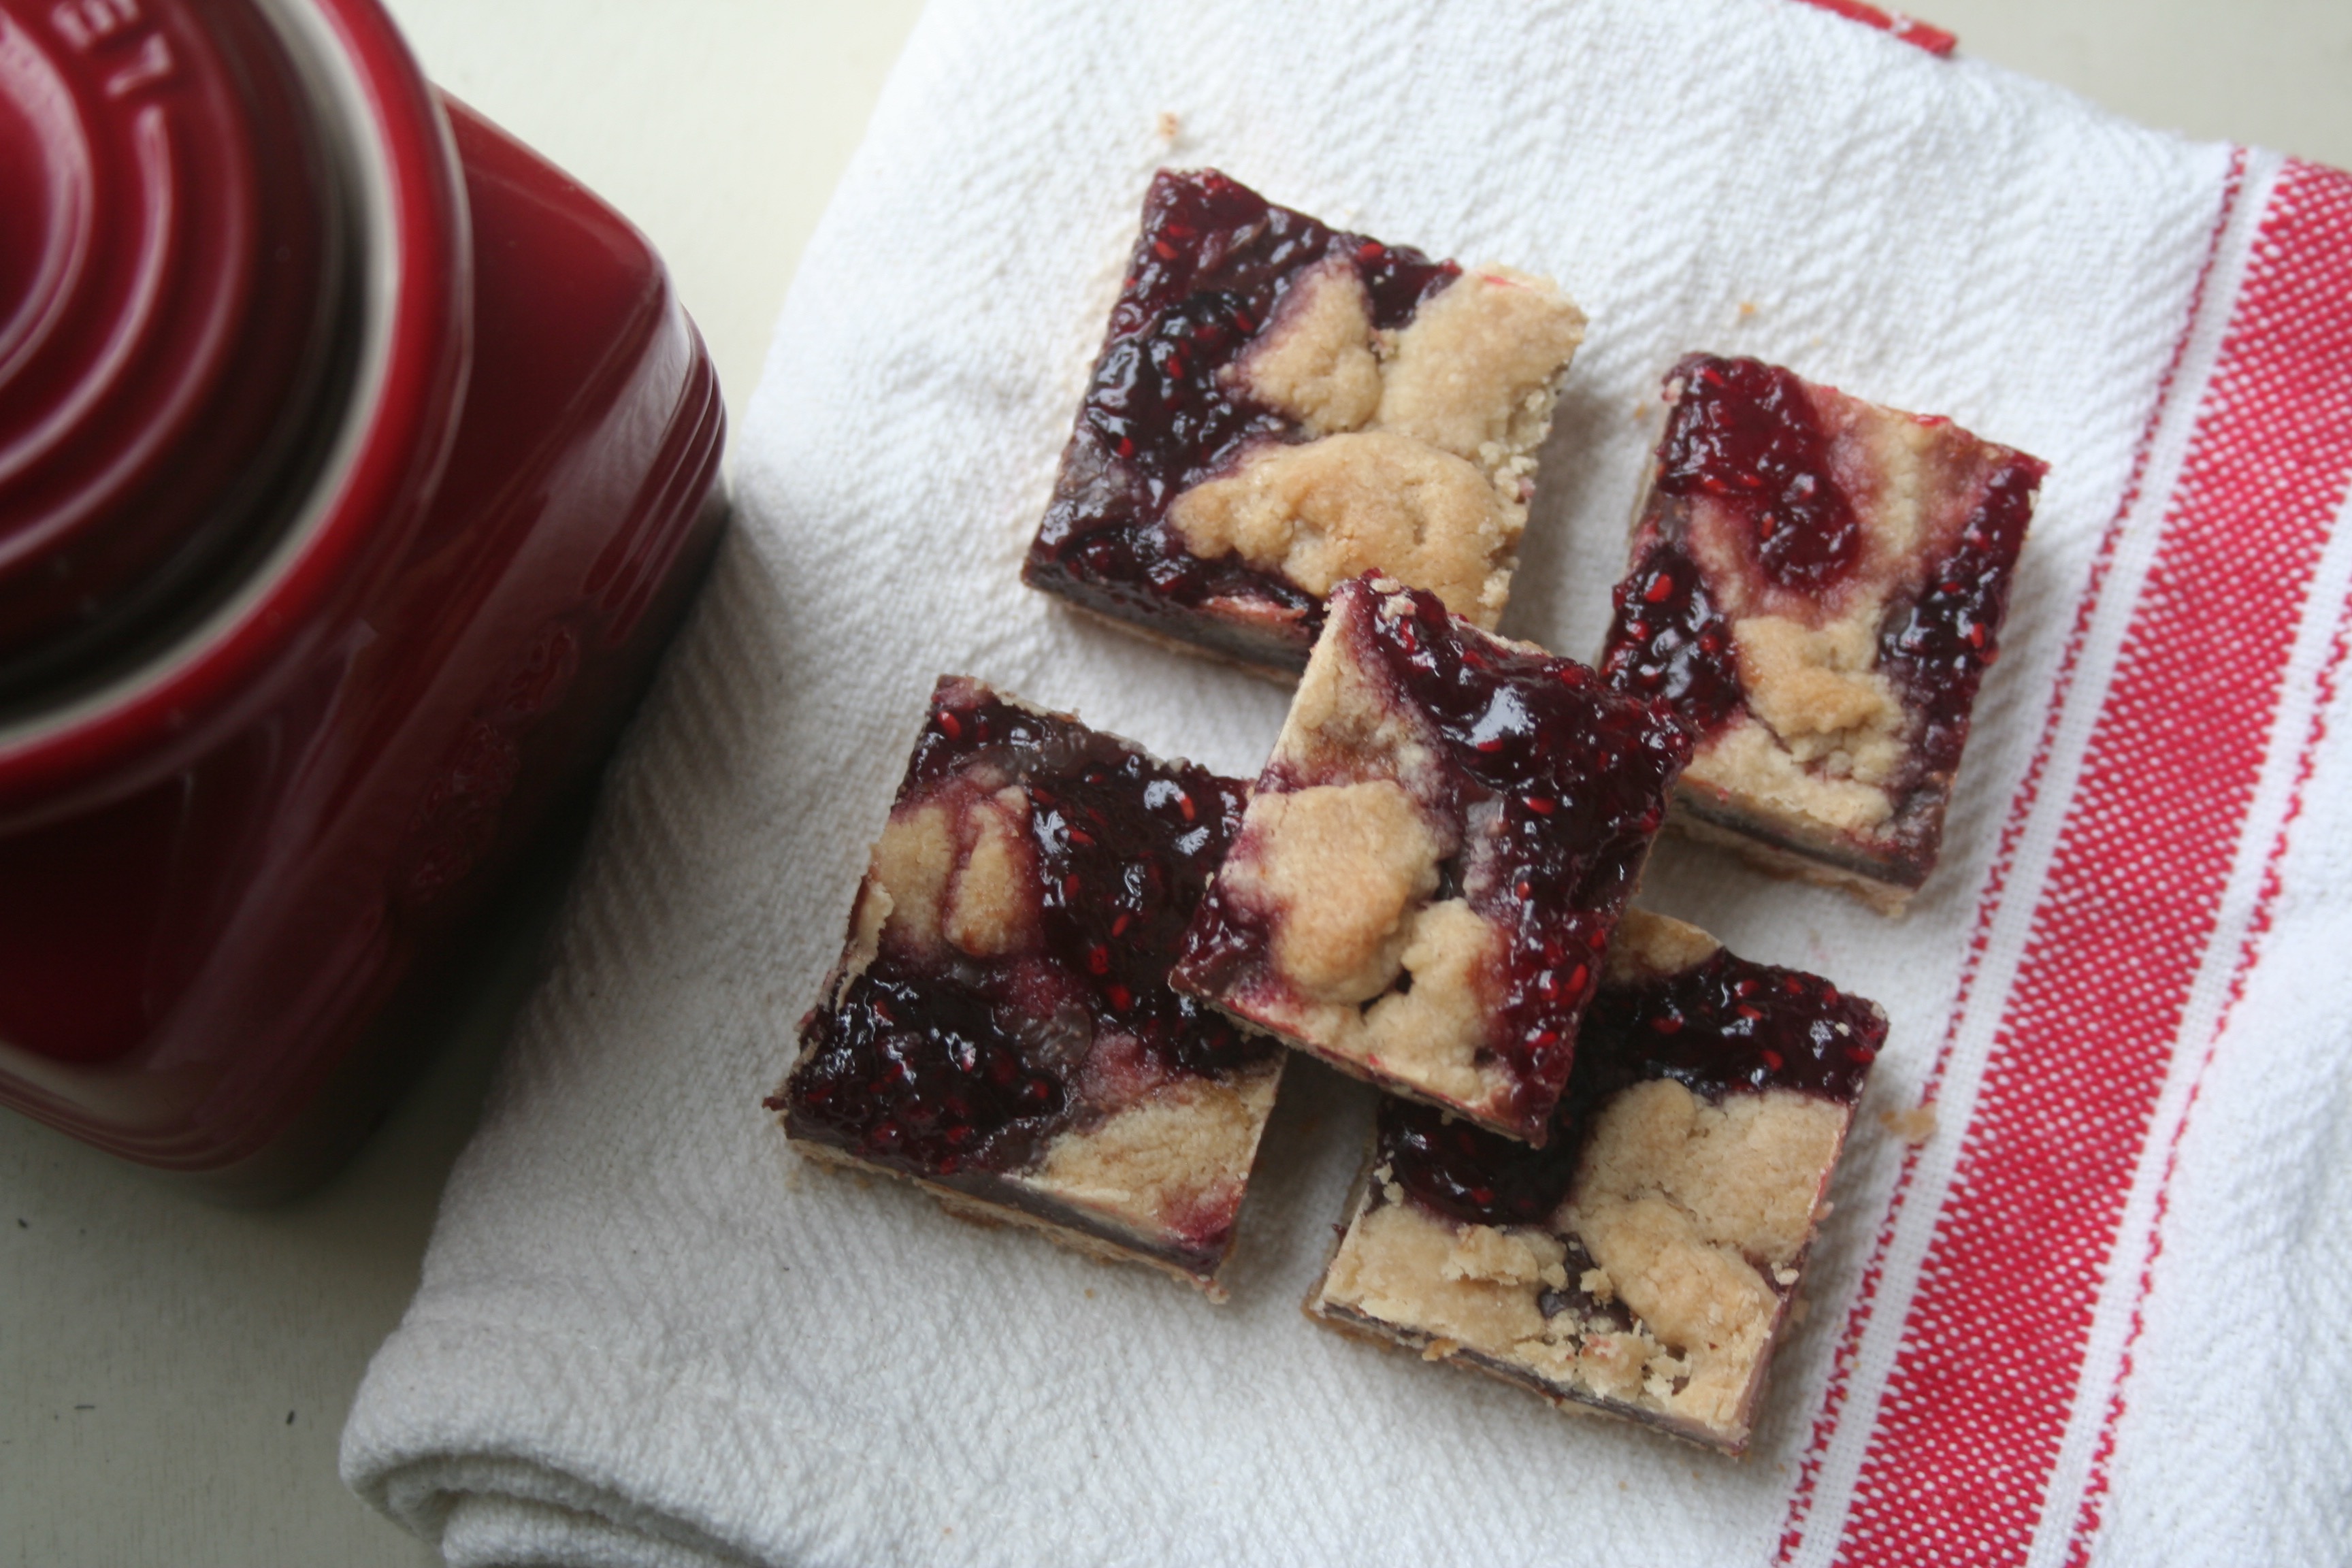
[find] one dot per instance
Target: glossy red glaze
(227, 855)
(171, 306)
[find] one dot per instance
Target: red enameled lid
(235, 298)
(175, 291)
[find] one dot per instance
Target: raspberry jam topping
(1208, 271)
(1722, 1026)
(1725, 1025)
(1669, 642)
(1937, 648)
(1745, 434)
(972, 1063)
(1469, 1174)
(918, 1071)
(1578, 775)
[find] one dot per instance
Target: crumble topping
(907, 879)
(1314, 362)
(1506, 1257)
(1170, 1159)
(1342, 723)
(1474, 373)
(1687, 1294)
(1401, 1264)
(1339, 867)
(1434, 1033)
(1324, 511)
(1648, 945)
(1747, 762)
(1481, 1289)
(1821, 694)
(1345, 874)
(1421, 441)
(955, 872)
(1680, 1202)
(992, 908)
(1742, 1172)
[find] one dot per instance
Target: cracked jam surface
(1158, 417)
(1777, 500)
(1550, 788)
(968, 1041)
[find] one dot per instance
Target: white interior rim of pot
(362, 187)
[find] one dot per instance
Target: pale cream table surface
(173, 1376)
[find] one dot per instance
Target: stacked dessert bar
(1426, 882)
(1073, 973)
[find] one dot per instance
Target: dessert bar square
(1818, 585)
(1424, 885)
(1280, 405)
(1642, 1262)
(999, 1027)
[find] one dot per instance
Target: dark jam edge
(1937, 642)
(1747, 434)
(925, 1062)
(1004, 1190)
(1516, 728)
(893, 1091)
(1726, 1025)
(1666, 639)
(1154, 420)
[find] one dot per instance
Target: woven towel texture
(646, 1334)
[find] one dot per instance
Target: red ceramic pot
(353, 464)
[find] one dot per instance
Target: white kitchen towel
(2097, 1315)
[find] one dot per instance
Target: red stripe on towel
(2324, 688)
(1990, 901)
(1933, 39)
(1989, 1369)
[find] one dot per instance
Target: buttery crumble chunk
(1315, 362)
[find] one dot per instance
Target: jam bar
(1642, 1262)
(999, 1027)
(1426, 882)
(1279, 407)
(1818, 585)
